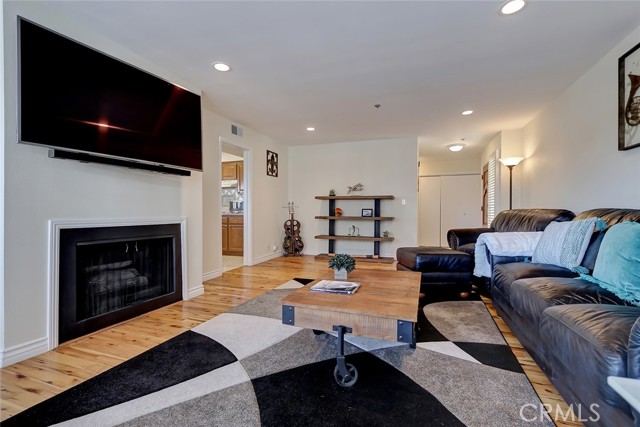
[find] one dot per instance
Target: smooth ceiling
(325, 64)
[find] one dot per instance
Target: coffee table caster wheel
(347, 380)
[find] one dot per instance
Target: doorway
(234, 205)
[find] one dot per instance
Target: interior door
(429, 211)
(460, 203)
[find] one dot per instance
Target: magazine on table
(336, 287)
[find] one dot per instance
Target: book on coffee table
(335, 287)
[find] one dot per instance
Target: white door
(429, 211)
(446, 202)
(460, 203)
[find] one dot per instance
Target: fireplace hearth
(111, 274)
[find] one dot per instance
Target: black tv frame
(61, 152)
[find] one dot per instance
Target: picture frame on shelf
(367, 213)
(629, 99)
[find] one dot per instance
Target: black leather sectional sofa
(578, 332)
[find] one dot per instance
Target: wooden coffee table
(385, 307)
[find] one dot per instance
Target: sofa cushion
(617, 267)
(530, 297)
(468, 248)
(600, 331)
(565, 243)
(505, 274)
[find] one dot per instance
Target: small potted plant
(342, 264)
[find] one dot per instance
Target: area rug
(245, 368)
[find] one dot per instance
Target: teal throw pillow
(617, 266)
(565, 243)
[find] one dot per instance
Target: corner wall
(267, 194)
(572, 159)
(383, 167)
(37, 189)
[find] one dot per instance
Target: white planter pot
(340, 274)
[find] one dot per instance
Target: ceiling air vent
(236, 130)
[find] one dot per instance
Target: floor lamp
(510, 162)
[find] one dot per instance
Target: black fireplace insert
(111, 274)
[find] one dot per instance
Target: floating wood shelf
(387, 197)
(381, 260)
(358, 218)
(361, 238)
(376, 218)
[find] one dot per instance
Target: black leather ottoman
(441, 268)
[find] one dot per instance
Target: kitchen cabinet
(234, 171)
(229, 170)
(240, 173)
(232, 235)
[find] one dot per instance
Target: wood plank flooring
(27, 383)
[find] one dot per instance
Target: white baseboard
(194, 292)
(211, 275)
(266, 257)
(20, 352)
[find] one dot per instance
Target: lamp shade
(511, 161)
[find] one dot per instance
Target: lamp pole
(510, 162)
(510, 186)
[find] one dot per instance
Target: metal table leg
(344, 373)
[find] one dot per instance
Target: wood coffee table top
(374, 310)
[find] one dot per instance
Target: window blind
(491, 189)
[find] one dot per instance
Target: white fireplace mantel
(55, 225)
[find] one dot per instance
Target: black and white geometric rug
(245, 368)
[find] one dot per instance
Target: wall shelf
(332, 237)
(357, 218)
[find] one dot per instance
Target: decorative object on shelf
(511, 162)
(272, 164)
(629, 99)
(338, 212)
(292, 244)
(332, 192)
(367, 212)
(354, 231)
(342, 264)
(357, 187)
(385, 234)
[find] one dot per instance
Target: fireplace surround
(108, 272)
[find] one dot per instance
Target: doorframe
(247, 196)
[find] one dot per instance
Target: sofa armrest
(462, 236)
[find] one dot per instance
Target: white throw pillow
(565, 243)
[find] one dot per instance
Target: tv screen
(74, 98)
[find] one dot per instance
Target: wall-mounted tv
(84, 103)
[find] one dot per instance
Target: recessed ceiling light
(455, 147)
(468, 112)
(311, 129)
(221, 66)
(512, 6)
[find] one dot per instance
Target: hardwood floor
(27, 383)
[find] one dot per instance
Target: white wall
(2, 313)
(571, 147)
(437, 166)
(38, 189)
(384, 167)
(267, 195)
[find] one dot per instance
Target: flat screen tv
(78, 100)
